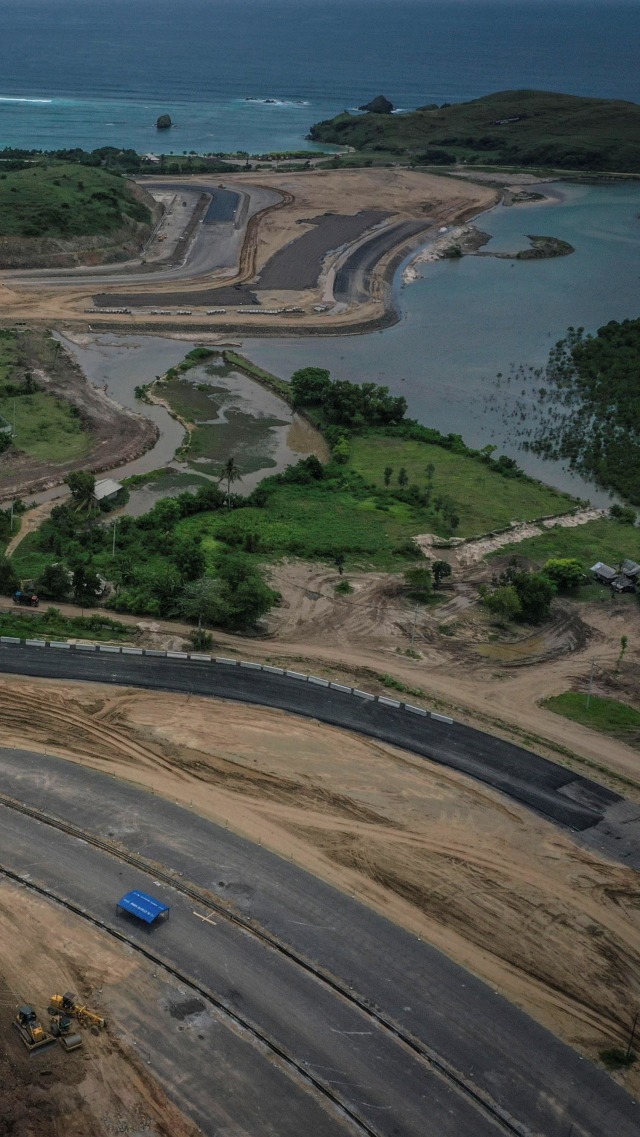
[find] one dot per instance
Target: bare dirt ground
(474, 550)
(402, 194)
(103, 1088)
(117, 435)
(549, 924)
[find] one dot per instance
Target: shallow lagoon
(466, 320)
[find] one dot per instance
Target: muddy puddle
(230, 417)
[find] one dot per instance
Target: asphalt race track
(551, 790)
(401, 1041)
(530, 1082)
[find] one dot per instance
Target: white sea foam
(17, 99)
(278, 102)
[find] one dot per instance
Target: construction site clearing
(318, 247)
(105, 1085)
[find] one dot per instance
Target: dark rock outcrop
(163, 122)
(379, 105)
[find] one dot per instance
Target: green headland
(510, 128)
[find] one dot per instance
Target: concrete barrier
(249, 665)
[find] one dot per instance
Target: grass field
(365, 521)
(65, 200)
(311, 521)
(606, 715)
(603, 540)
(45, 427)
(484, 500)
(27, 560)
(52, 625)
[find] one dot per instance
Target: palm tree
(231, 473)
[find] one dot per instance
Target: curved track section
(551, 790)
(397, 1039)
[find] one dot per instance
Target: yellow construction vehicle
(61, 1029)
(32, 1033)
(68, 1005)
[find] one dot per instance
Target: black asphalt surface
(298, 265)
(536, 1080)
(223, 207)
(543, 786)
(353, 278)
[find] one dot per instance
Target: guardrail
(201, 657)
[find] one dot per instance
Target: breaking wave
(19, 99)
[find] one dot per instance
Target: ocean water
(99, 72)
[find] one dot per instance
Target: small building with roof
(105, 489)
(603, 573)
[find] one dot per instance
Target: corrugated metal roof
(603, 570)
(105, 488)
(140, 904)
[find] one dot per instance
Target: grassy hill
(67, 200)
(514, 128)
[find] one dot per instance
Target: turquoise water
(98, 72)
(469, 319)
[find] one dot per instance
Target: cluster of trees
(593, 416)
(152, 566)
(116, 159)
(422, 580)
(520, 594)
(341, 403)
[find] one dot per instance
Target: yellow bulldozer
(67, 1004)
(31, 1031)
